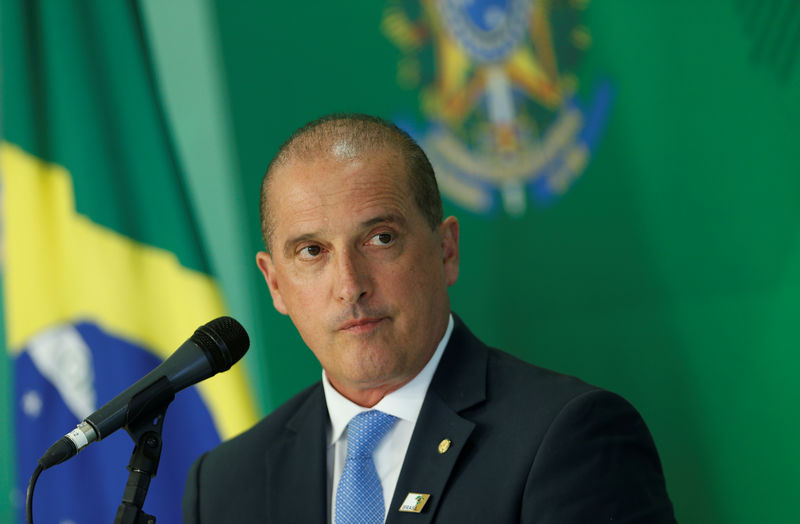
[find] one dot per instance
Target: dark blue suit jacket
(528, 445)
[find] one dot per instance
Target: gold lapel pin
(444, 445)
(414, 502)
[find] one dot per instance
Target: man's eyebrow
(384, 219)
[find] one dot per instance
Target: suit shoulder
(525, 389)
(228, 483)
(265, 431)
(507, 371)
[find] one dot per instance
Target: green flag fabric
(104, 269)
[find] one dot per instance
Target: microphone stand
(145, 417)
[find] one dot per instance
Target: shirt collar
(404, 403)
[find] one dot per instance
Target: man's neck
(367, 397)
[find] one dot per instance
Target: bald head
(347, 137)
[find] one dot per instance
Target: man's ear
(448, 233)
(264, 261)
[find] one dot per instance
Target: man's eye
(310, 252)
(381, 239)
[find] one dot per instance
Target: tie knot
(365, 430)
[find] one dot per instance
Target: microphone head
(223, 340)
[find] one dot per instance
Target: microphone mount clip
(145, 420)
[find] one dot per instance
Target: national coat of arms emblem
(505, 121)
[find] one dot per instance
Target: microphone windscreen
(224, 340)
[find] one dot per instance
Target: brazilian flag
(104, 268)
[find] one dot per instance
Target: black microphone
(213, 348)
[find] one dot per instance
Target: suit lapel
(297, 474)
(459, 383)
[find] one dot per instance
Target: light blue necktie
(359, 497)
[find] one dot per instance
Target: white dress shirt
(403, 403)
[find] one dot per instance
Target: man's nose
(352, 277)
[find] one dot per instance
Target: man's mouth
(361, 325)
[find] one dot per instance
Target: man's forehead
(340, 166)
(304, 192)
(349, 203)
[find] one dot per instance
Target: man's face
(359, 270)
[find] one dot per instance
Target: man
(360, 259)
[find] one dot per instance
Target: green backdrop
(668, 272)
